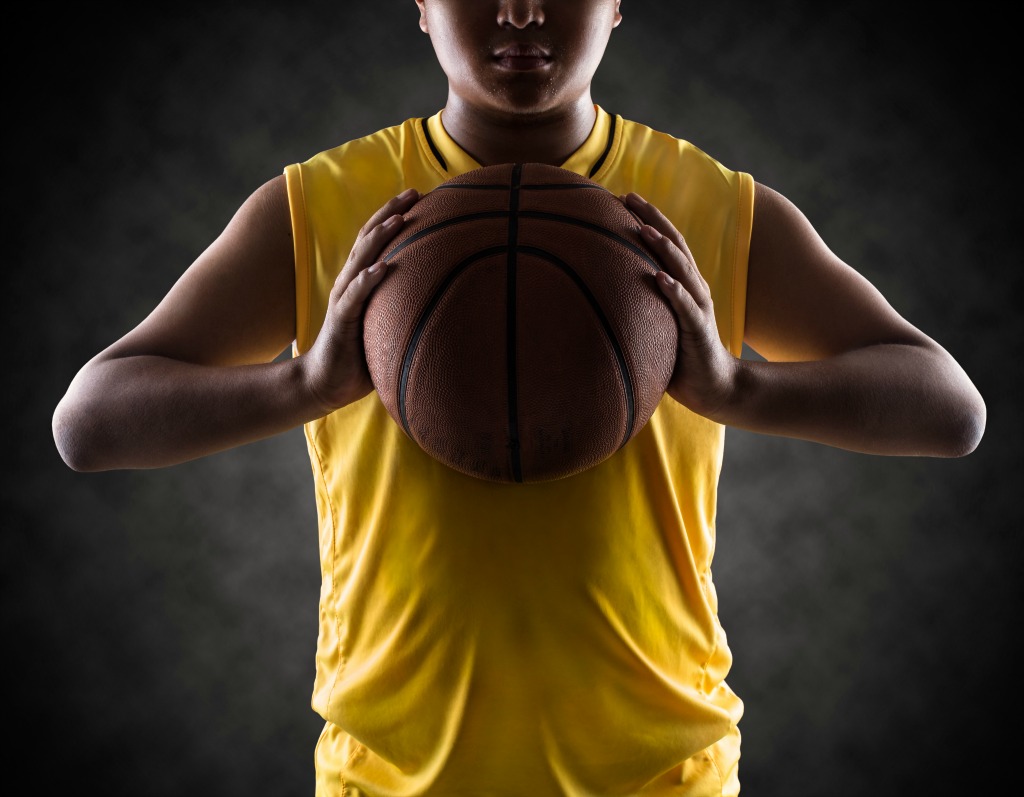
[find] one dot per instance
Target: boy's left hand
(705, 372)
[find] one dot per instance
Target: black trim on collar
(593, 170)
(433, 146)
(607, 148)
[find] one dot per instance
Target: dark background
(158, 627)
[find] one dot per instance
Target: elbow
(966, 426)
(70, 434)
(973, 429)
(957, 409)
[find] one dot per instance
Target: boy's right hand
(199, 373)
(335, 365)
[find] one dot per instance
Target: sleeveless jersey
(554, 638)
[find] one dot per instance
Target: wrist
(723, 401)
(710, 384)
(320, 394)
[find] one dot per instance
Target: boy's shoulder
(375, 165)
(643, 141)
(387, 142)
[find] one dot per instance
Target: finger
(651, 215)
(397, 204)
(366, 250)
(688, 312)
(677, 265)
(352, 301)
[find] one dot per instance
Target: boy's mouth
(522, 56)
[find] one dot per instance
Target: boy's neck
(492, 138)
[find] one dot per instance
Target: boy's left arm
(842, 366)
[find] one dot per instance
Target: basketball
(520, 335)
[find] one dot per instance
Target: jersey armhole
(741, 256)
(301, 237)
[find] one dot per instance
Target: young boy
(558, 638)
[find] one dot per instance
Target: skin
(198, 374)
(506, 113)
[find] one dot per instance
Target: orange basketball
(520, 335)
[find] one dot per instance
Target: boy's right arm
(198, 375)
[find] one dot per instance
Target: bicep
(236, 303)
(803, 301)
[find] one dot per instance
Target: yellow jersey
(520, 640)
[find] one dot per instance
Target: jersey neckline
(592, 159)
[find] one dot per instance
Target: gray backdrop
(159, 627)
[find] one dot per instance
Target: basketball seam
(421, 323)
(544, 215)
(503, 187)
(528, 214)
(488, 214)
(628, 387)
(510, 321)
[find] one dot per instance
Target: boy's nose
(520, 13)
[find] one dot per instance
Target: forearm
(884, 399)
(147, 412)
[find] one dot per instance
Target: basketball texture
(519, 335)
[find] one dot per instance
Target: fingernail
(666, 278)
(407, 193)
(375, 267)
(393, 221)
(635, 199)
(650, 232)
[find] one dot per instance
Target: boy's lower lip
(522, 63)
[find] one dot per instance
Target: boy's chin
(531, 104)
